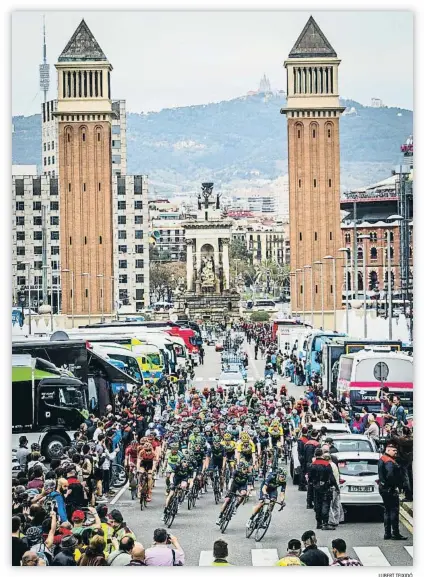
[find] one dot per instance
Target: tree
(156, 255)
(238, 250)
(259, 317)
(165, 278)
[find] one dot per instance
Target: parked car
(353, 443)
(359, 478)
(332, 430)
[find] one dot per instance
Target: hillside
(238, 140)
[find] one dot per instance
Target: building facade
(84, 113)
(131, 241)
(313, 112)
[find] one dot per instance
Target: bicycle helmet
(174, 447)
(35, 448)
(243, 466)
(281, 472)
(244, 436)
(227, 437)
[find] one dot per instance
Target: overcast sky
(168, 59)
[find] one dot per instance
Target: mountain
(244, 139)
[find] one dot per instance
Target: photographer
(161, 555)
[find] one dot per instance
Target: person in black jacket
(390, 482)
(311, 555)
(322, 478)
(309, 453)
(301, 442)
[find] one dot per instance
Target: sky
(167, 59)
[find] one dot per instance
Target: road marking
(206, 558)
(119, 494)
(264, 557)
(326, 550)
(371, 557)
(410, 550)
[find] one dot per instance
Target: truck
(333, 349)
(47, 404)
(312, 348)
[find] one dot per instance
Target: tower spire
(44, 67)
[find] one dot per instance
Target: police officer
(309, 453)
(322, 479)
(390, 482)
(301, 442)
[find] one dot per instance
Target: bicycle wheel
(119, 476)
(216, 490)
(252, 526)
(263, 527)
(227, 477)
(190, 501)
(226, 519)
(173, 509)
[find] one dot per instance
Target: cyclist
(172, 459)
(246, 451)
(238, 486)
(262, 444)
(180, 477)
(269, 490)
(216, 459)
(131, 453)
(230, 450)
(145, 459)
(275, 431)
(195, 438)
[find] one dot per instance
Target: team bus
(312, 350)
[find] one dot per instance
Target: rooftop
(312, 43)
(82, 47)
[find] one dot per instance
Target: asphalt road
(196, 529)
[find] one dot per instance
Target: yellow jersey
(275, 432)
(289, 561)
(243, 450)
(229, 446)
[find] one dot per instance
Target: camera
(168, 539)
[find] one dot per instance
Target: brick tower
(84, 112)
(313, 112)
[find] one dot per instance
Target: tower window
(329, 133)
(316, 289)
(79, 84)
(331, 236)
(315, 182)
(298, 134)
(86, 293)
(70, 240)
(83, 136)
(316, 236)
(329, 182)
(300, 183)
(98, 137)
(331, 289)
(100, 240)
(313, 133)
(301, 289)
(69, 187)
(300, 236)
(100, 186)
(69, 137)
(85, 240)
(85, 83)
(83, 187)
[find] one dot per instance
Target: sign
(381, 371)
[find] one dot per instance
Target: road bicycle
(216, 484)
(230, 510)
(143, 489)
(262, 519)
(193, 494)
(288, 445)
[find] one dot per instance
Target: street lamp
(346, 252)
(112, 292)
(88, 275)
(334, 289)
(295, 285)
(26, 263)
(312, 294)
(102, 276)
(302, 270)
(322, 294)
(46, 267)
(72, 294)
(364, 281)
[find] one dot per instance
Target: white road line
(371, 557)
(264, 557)
(326, 550)
(410, 550)
(206, 558)
(119, 494)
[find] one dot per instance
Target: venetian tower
(313, 111)
(84, 112)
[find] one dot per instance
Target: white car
(353, 443)
(232, 380)
(332, 430)
(359, 478)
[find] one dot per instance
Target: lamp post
(102, 276)
(58, 291)
(322, 293)
(334, 290)
(112, 292)
(28, 264)
(295, 285)
(88, 275)
(312, 295)
(303, 291)
(346, 252)
(364, 281)
(72, 294)
(46, 267)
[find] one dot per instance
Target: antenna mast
(44, 67)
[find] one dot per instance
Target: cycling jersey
(275, 431)
(246, 449)
(143, 455)
(173, 459)
(132, 452)
(272, 482)
(216, 452)
(229, 448)
(239, 478)
(263, 441)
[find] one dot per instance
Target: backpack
(43, 552)
(179, 564)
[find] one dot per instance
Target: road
(196, 529)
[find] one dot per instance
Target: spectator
(37, 481)
(94, 554)
(30, 559)
(119, 526)
(74, 497)
(19, 547)
(23, 452)
(372, 431)
(65, 556)
(336, 513)
(220, 554)
(341, 558)
(161, 555)
(312, 556)
(137, 555)
(294, 549)
(122, 556)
